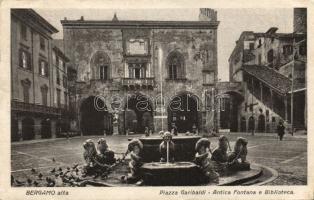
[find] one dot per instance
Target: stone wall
(198, 48)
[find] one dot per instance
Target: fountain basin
(178, 173)
(184, 148)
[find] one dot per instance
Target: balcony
(142, 83)
(33, 108)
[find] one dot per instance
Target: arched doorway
(94, 117)
(261, 123)
(14, 129)
(243, 124)
(183, 112)
(28, 129)
(58, 128)
(138, 114)
(45, 128)
(251, 124)
(230, 102)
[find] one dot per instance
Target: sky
(232, 23)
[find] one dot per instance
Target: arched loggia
(138, 113)
(183, 111)
(95, 119)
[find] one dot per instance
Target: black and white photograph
(145, 97)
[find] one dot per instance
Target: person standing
(280, 130)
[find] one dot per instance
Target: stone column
(126, 70)
(53, 128)
(286, 107)
(218, 114)
(261, 86)
(37, 128)
(19, 122)
(271, 99)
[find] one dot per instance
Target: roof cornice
(34, 17)
(125, 24)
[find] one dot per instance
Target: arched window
(26, 84)
(100, 66)
(44, 92)
(270, 57)
(175, 64)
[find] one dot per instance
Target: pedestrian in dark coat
(280, 130)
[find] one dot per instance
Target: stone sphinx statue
(93, 162)
(202, 149)
(220, 155)
(105, 154)
(135, 148)
(237, 158)
(167, 138)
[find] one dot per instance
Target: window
(25, 59)
(57, 61)
(270, 57)
(43, 68)
(259, 59)
(65, 100)
(44, 92)
(259, 43)
(65, 81)
(287, 50)
(175, 64)
(60, 64)
(252, 46)
(64, 67)
(42, 43)
(58, 98)
(23, 32)
(208, 78)
(103, 72)
(100, 66)
(173, 69)
(58, 76)
(137, 70)
(26, 84)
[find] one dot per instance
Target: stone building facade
(134, 74)
(34, 110)
(271, 67)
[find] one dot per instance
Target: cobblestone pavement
(288, 157)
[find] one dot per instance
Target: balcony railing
(143, 83)
(28, 107)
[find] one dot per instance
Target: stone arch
(45, 128)
(175, 65)
(184, 111)
(28, 125)
(243, 124)
(95, 119)
(100, 65)
(14, 129)
(138, 113)
(251, 126)
(261, 123)
(229, 118)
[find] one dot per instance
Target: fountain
(162, 161)
(174, 161)
(175, 166)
